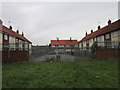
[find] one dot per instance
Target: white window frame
(5, 37)
(67, 45)
(107, 36)
(53, 45)
(77, 45)
(116, 33)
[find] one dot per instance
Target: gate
(44, 53)
(99, 50)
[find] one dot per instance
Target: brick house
(64, 45)
(105, 35)
(107, 40)
(14, 47)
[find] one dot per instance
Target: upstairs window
(87, 41)
(61, 45)
(90, 40)
(53, 45)
(107, 36)
(5, 37)
(67, 45)
(17, 40)
(99, 38)
(116, 33)
(76, 45)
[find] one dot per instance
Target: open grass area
(80, 74)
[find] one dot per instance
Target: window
(87, 41)
(53, 45)
(95, 39)
(17, 40)
(116, 33)
(67, 45)
(76, 45)
(17, 43)
(5, 37)
(107, 36)
(61, 45)
(56, 45)
(90, 40)
(99, 38)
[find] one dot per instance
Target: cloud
(44, 21)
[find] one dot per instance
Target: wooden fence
(14, 56)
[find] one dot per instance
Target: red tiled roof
(109, 28)
(13, 33)
(64, 42)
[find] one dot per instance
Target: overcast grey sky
(44, 21)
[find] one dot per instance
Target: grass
(80, 74)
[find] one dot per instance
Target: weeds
(81, 74)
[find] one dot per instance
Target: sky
(44, 21)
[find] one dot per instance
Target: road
(63, 57)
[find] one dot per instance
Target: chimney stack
(109, 22)
(98, 27)
(17, 31)
(86, 33)
(10, 27)
(1, 22)
(22, 34)
(70, 39)
(57, 39)
(91, 31)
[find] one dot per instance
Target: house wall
(30, 48)
(12, 42)
(11, 39)
(21, 44)
(26, 45)
(80, 44)
(115, 36)
(84, 43)
(100, 39)
(90, 42)
(1, 40)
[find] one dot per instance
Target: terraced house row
(14, 47)
(108, 36)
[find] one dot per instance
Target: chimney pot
(10, 27)
(98, 27)
(70, 39)
(109, 21)
(17, 31)
(22, 34)
(86, 33)
(1, 22)
(57, 39)
(91, 31)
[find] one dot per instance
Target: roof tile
(13, 33)
(64, 42)
(109, 28)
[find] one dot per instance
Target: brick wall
(107, 53)
(14, 56)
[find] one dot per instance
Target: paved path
(63, 57)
